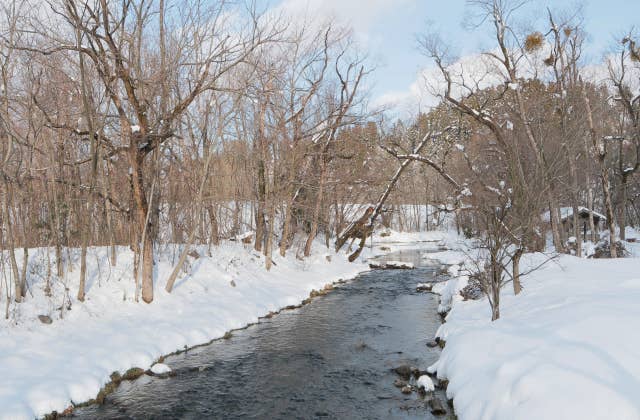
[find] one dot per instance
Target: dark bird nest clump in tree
(533, 42)
(549, 61)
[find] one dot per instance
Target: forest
(143, 124)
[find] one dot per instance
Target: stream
(330, 359)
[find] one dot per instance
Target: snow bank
(449, 292)
(460, 265)
(567, 347)
(47, 367)
(160, 369)
(425, 382)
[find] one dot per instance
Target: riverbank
(48, 367)
(565, 348)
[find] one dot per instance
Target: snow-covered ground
(567, 347)
(388, 236)
(46, 367)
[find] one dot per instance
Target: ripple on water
(329, 359)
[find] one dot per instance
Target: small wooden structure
(566, 218)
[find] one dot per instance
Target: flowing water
(329, 359)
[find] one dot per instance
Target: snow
(631, 233)
(244, 235)
(449, 292)
(612, 138)
(588, 249)
(135, 128)
(390, 236)
(422, 287)
(566, 347)
(46, 367)
(449, 257)
(466, 192)
(160, 368)
(458, 257)
(425, 382)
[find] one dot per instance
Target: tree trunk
(316, 211)
(623, 207)
(12, 254)
(110, 227)
(517, 286)
(361, 245)
(25, 265)
(213, 220)
(135, 247)
(542, 164)
(261, 153)
(600, 152)
(556, 225)
(576, 230)
(338, 218)
(86, 231)
(142, 219)
(237, 212)
(592, 225)
(495, 309)
(573, 170)
(54, 220)
(268, 252)
(260, 211)
(286, 226)
(610, 213)
(496, 277)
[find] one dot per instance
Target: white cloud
(356, 14)
(423, 93)
(478, 70)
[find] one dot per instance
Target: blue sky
(387, 29)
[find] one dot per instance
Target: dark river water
(330, 359)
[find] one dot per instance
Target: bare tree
(626, 67)
(118, 40)
(599, 148)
